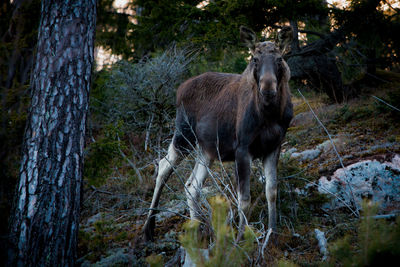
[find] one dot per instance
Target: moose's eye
(279, 60)
(255, 60)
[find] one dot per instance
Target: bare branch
(100, 191)
(393, 107)
(355, 212)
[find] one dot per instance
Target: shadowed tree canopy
(365, 27)
(214, 24)
(112, 29)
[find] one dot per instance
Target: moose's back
(207, 107)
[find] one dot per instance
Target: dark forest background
(338, 53)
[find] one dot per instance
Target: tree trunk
(45, 220)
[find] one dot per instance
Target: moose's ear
(248, 37)
(284, 39)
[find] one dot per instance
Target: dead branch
(96, 190)
(355, 212)
(386, 103)
(129, 161)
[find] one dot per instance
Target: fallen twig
(100, 191)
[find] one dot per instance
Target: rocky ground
(334, 156)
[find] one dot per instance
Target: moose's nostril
(269, 93)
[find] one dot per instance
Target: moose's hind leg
(165, 169)
(194, 184)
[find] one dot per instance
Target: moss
(286, 263)
(155, 260)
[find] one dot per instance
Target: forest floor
(362, 128)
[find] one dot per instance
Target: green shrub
(155, 260)
(377, 241)
(224, 251)
(96, 242)
(142, 94)
(286, 263)
(297, 207)
(231, 61)
(102, 155)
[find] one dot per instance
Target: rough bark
(44, 224)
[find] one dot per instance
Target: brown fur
(232, 117)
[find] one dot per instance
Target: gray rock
(301, 119)
(309, 154)
(382, 146)
(117, 257)
(369, 178)
(374, 148)
(327, 145)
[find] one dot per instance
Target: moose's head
(267, 66)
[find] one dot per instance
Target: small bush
(224, 251)
(286, 263)
(142, 95)
(231, 62)
(377, 242)
(155, 261)
(102, 155)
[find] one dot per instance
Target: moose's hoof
(148, 230)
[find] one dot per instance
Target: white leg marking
(194, 185)
(271, 186)
(244, 203)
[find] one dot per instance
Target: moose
(232, 117)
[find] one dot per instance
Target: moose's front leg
(271, 186)
(243, 161)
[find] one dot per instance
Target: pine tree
(45, 220)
